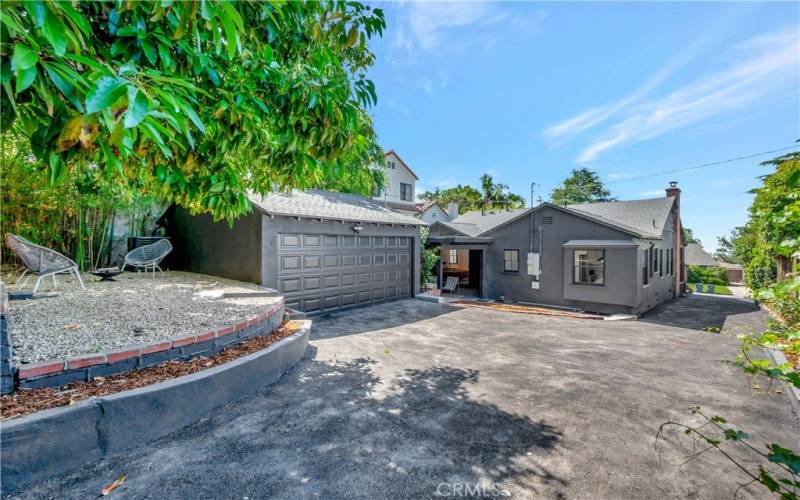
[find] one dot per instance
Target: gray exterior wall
(659, 288)
(623, 291)
(204, 246)
(271, 227)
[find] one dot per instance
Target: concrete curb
(58, 372)
(791, 391)
(47, 443)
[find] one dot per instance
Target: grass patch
(718, 289)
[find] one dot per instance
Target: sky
(529, 91)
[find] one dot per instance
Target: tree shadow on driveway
(705, 312)
(372, 319)
(336, 430)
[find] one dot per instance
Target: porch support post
(441, 254)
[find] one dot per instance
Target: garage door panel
(311, 305)
(312, 262)
(326, 272)
(290, 262)
(311, 283)
(289, 285)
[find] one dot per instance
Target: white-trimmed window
(590, 267)
(511, 261)
(453, 256)
(406, 193)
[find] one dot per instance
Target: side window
(660, 262)
(645, 266)
(654, 261)
(511, 261)
(453, 256)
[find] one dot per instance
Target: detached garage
(323, 251)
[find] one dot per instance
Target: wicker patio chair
(451, 285)
(148, 256)
(41, 261)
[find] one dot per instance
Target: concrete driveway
(408, 399)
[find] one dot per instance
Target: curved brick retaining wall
(57, 372)
(50, 442)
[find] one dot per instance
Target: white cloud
(429, 20)
(594, 116)
(618, 176)
(759, 65)
(654, 192)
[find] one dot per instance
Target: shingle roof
(330, 205)
(696, 255)
(425, 205)
(645, 218)
(476, 222)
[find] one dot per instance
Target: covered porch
(462, 257)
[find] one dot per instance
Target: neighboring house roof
(695, 255)
(730, 265)
(393, 152)
(427, 205)
(645, 218)
(476, 223)
(330, 205)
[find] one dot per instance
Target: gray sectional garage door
(325, 272)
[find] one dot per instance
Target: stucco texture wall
(204, 246)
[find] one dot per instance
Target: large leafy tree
(195, 102)
(773, 226)
(491, 195)
(582, 186)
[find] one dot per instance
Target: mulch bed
(26, 401)
(524, 309)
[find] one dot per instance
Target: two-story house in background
(399, 192)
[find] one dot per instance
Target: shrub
(709, 275)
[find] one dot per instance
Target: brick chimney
(674, 191)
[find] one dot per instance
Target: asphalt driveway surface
(420, 400)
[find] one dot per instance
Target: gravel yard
(135, 309)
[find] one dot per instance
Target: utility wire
(704, 165)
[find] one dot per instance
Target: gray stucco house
(323, 251)
(608, 257)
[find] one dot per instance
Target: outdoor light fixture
(358, 228)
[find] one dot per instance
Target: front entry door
(475, 270)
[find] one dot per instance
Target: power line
(704, 165)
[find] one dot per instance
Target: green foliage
(773, 229)
(781, 466)
(430, 256)
(784, 299)
(688, 236)
(773, 226)
(582, 186)
(713, 275)
(194, 102)
(72, 218)
(491, 196)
